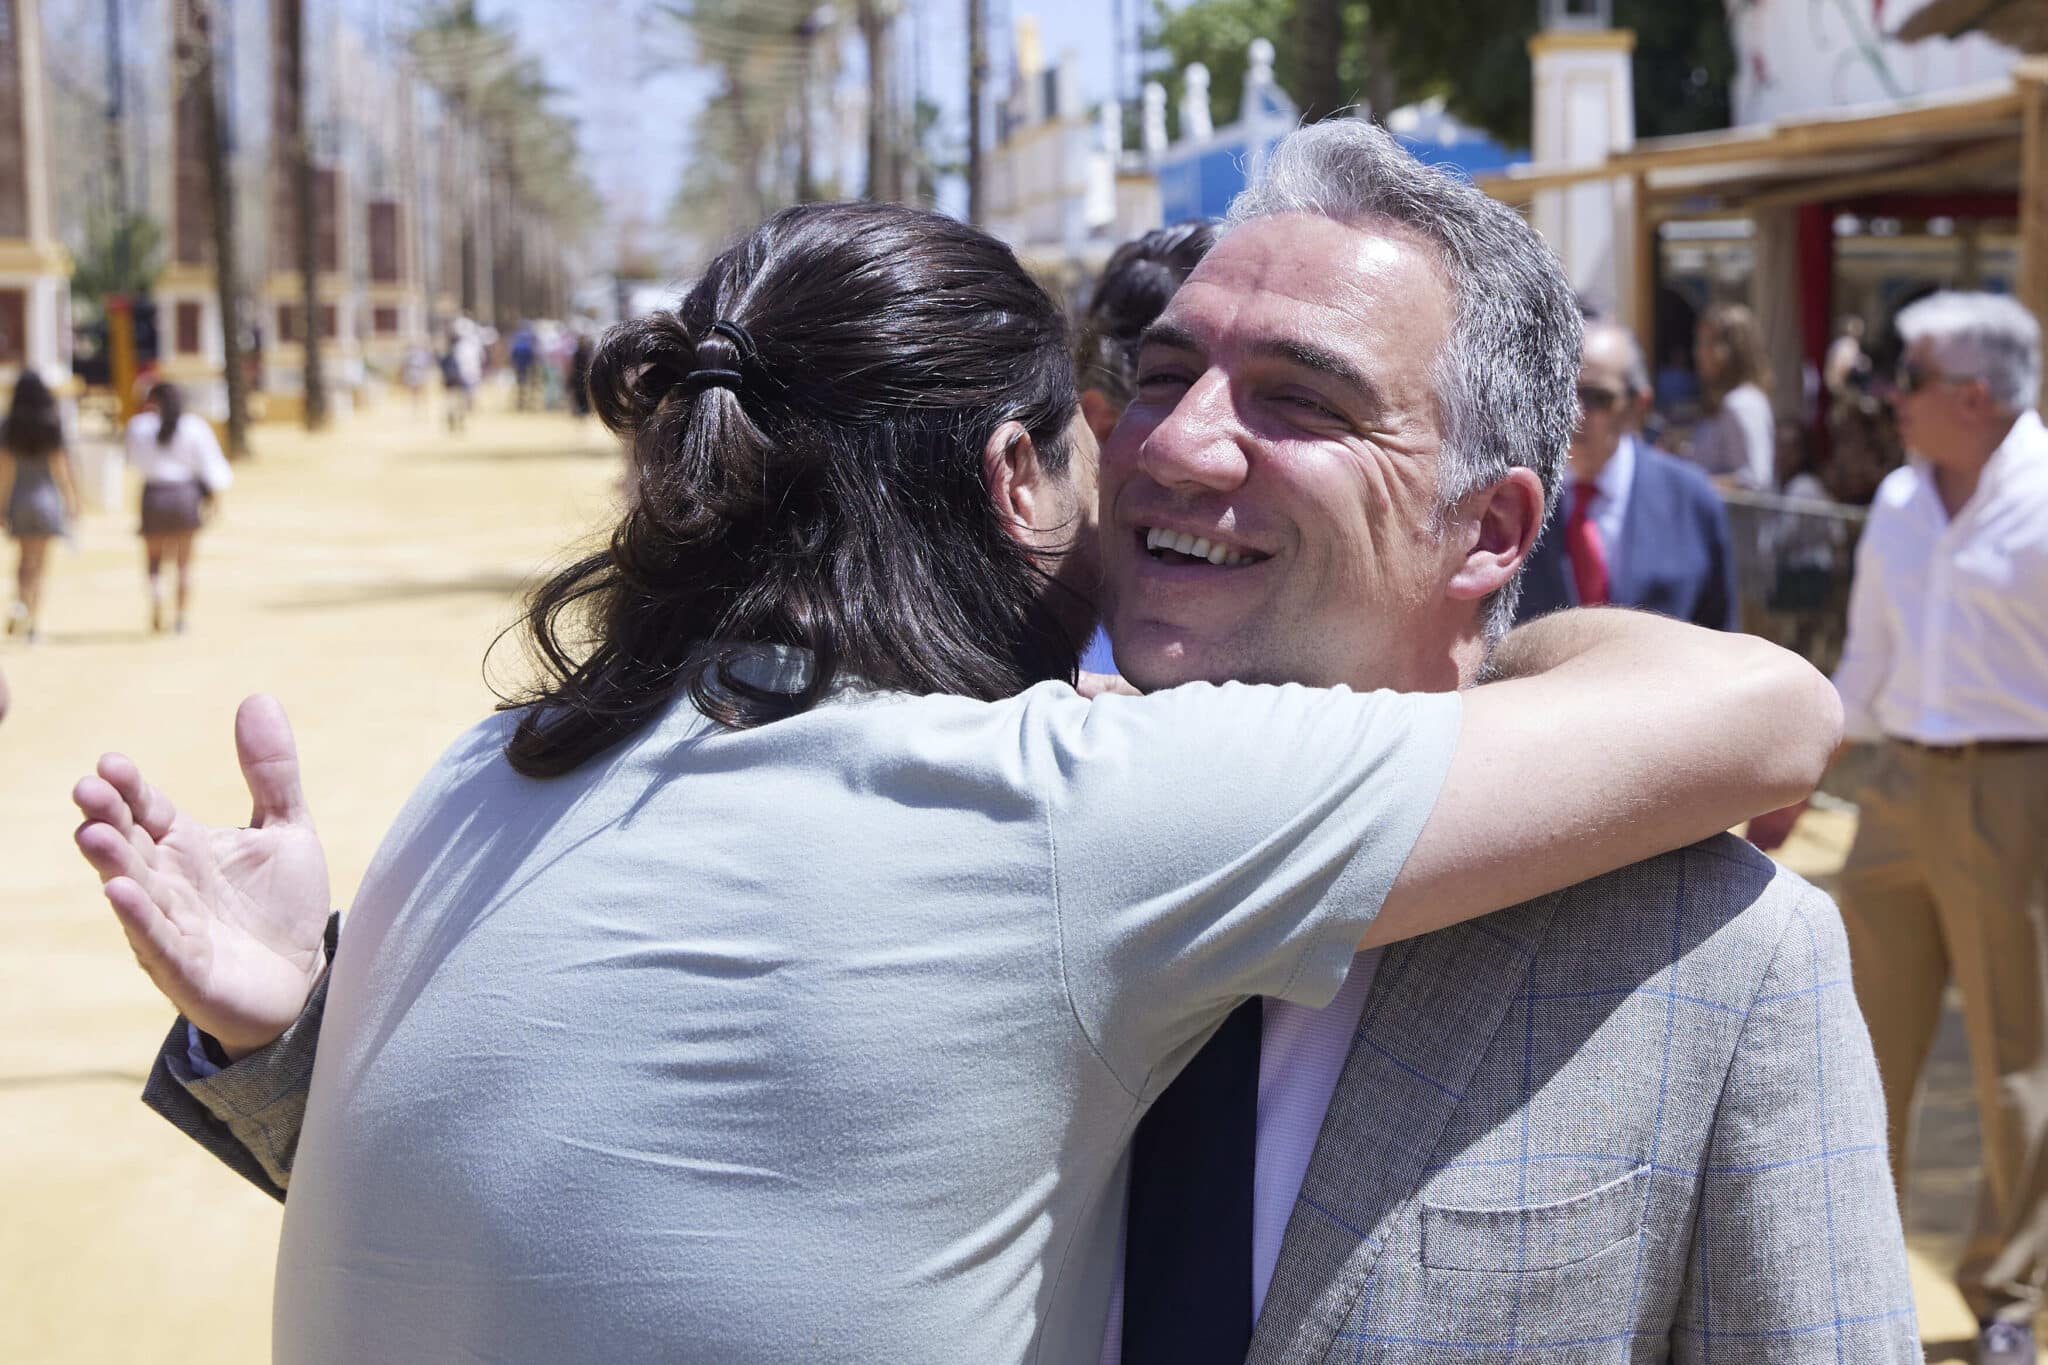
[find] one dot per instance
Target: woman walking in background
(1737, 440)
(182, 470)
(37, 490)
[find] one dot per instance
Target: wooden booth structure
(1972, 162)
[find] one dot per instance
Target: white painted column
(1584, 109)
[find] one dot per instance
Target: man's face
(1285, 415)
(1609, 408)
(1937, 412)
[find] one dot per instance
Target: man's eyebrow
(1174, 337)
(1323, 362)
(1171, 335)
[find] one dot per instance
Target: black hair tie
(739, 337)
(710, 378)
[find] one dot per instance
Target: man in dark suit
(1635, 526)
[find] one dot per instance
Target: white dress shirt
(1301, 1057)
(1948, 619)
(1610, 500)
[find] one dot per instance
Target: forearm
(248, 1114)
(1608, 737)
(1753, 725)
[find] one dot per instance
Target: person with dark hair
(37, 491)
(1136, 284)
(783, 976)
(183, 471)
(578, 378)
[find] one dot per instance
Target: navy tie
(1188, 1245)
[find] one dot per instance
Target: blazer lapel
(1435, 1007)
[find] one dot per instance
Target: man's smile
(1167, 546)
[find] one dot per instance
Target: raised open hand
(227, 922)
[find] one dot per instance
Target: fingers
(110, 852)
(151, 934)
(150, 808)
(99, 803)
(270, 762)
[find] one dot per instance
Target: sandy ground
(360, 576)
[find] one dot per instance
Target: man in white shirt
(1946, 668)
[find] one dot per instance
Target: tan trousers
(1949, 876)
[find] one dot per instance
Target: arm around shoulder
(1611, 736)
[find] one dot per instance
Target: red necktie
(1582, 544)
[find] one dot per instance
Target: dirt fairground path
(360, 576)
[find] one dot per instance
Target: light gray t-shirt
(821, 1041)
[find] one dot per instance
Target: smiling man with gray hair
(1636, 1120)
(1946, 669)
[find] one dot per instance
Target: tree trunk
(977, 78)
(117, 132)
(1319, 46)
(1381, 89)
(806, 176)
(220, 186)
(875, 31)
(305, 197)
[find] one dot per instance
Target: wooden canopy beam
(1985, 116)
(1911, 174)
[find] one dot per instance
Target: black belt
(1968, 747)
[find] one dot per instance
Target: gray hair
(1980, 336)
(1506, 378)
(1636, 373)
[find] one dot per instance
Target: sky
(635, 101)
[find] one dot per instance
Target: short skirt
(35, 510)
(169, 509)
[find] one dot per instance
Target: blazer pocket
(1513, 1241)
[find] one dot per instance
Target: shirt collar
(1619, 473)
(2021, 445)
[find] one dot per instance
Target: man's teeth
(1195, 547)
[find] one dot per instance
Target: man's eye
(1154, 378)
(1307, 404)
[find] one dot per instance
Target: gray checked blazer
(1637, 1120)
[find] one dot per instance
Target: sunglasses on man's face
(1601, 400)
(1912, 378)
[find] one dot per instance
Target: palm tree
(749, 145)
(535, 186)
(298, 154)
(977, 79)
(877, 28)
(198, 68)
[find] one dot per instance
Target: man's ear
(1640, 406)
(1497, 528)
(1015, 480)
(1100, 412)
